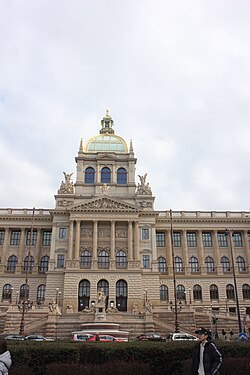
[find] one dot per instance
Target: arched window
(180, 292)
(162, 264)
(89, 175)
(44, 264)
(85, 259)
(246, 291)
(105, 175)
(121, 176)
(121, 295)
(24, 291)
(241, 264)
(7, 292)
(214, 292)
(225, 264)
(83, 294)
(163, 293)
(178, 264)
(12, 262)
(121, 259)
(194, 264)
(230, 291)
(197, 292)
(40, 297)
(209, 262)
(103, 259)
(103, 284)
(28, 263)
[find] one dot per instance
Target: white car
(181, 336)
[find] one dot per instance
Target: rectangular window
(60, 261)
(191, 239)
(207, 239)
(47, 238)
(222, 239)
(237, 238)
(15, 237)
(160, 239)
(144, 234)
(1, 237)
(145, 261)
(177, 239)
(62, 233)
(34, 235)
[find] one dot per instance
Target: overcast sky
(175, 76)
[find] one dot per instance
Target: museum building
(104, 233)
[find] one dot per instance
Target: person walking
(207, 359)
(5, 358)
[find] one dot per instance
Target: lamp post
(175, 307)
(17, 297)
(25, 305)
(226, 304)
(228, 233)
(190, 301)
(11, 291)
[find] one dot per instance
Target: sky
(174, 75)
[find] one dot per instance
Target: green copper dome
(106, 143)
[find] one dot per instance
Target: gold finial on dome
(107, 114)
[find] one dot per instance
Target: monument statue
(143, 187)
(67, 186)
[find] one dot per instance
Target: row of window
(181, 293)
(122, 291)
(15, 237)
(206, 239)
(121, 262)
(194, 264)
(106, 176)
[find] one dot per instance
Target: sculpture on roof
(67, 186)
(143, 187)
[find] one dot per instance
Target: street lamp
(175, 307)
(25, 305)
(228, 233)
(190, 301)
(57, 295)
(11, 291)
(226, 304)
(17, 297)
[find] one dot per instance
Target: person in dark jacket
(5, 358)
(206, 358)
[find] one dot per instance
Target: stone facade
(105, 233)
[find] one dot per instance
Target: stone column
(136, 242)
(185, 252)
(216, 253)
(77, 240)
(201, 253)
(130, 243)
(169, 252)
(95, 240)
(6, 243)
(71, 237)
(246, 247)
(154, 252)
(112, 245)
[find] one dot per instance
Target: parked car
(106, 338)
(181, 336)
(82, 337)
(150, 337)
(14, 337)
(37, 338)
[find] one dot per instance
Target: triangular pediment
(104, 204)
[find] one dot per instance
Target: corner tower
(105, 164)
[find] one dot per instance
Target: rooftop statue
(143, 187)
(67, 186)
